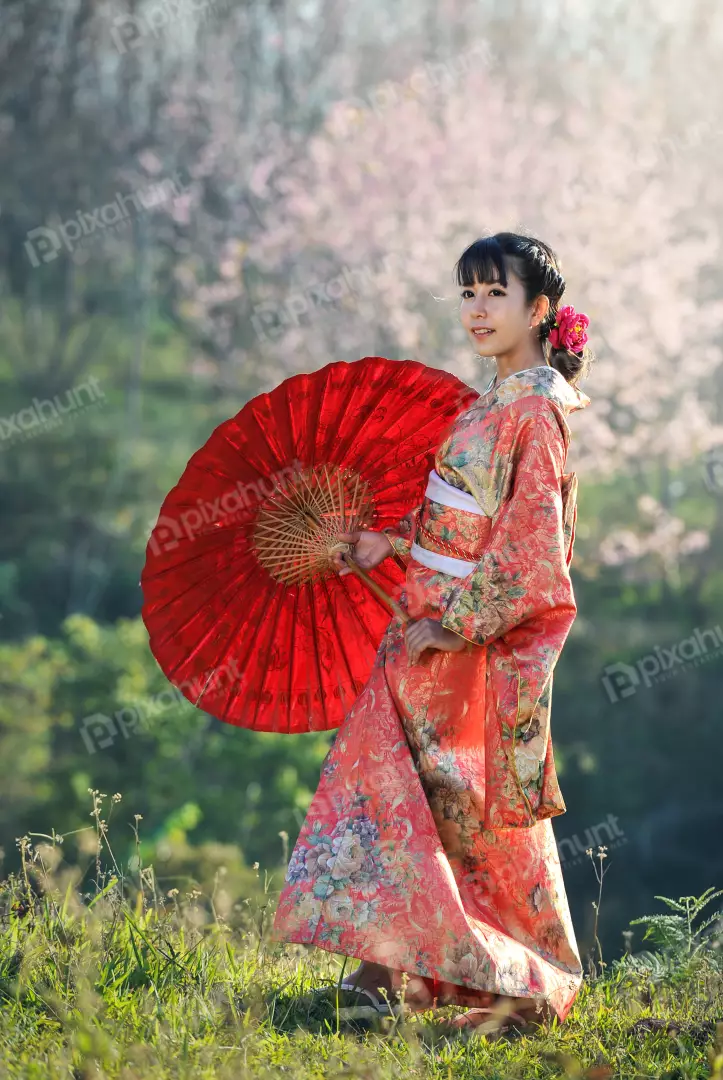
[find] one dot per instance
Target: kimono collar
(543, 380)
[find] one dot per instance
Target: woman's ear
(539, 310)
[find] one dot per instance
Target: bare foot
(369, 976)
(376, 977)
(507, 1014)
(535, 1011)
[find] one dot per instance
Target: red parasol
(246, 615)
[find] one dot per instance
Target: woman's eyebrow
(492, 284)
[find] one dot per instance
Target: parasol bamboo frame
(296, 533)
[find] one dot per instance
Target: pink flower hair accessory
(569, 329)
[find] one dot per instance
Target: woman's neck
(519, 360)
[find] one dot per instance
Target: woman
(428, 847)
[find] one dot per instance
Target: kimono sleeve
(523, 573)
(401, 536)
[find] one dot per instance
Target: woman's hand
(430, 634)
(370, 548)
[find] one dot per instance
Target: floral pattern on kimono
(428, 845)
(402, 536)
(509, 451)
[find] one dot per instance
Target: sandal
(377, 1005)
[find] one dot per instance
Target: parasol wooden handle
(376, 589)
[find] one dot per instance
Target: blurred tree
(92, 709)
(194, 206)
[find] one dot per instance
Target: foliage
(675, 933)
(187, 773)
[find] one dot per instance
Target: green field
(104, 975)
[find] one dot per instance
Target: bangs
(483, 262)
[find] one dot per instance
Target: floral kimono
(428, 846)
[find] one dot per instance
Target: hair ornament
(568, 331)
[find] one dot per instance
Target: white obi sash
(441, 492)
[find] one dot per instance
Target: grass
(122, 982)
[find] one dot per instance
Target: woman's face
(502, 312)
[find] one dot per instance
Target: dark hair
(538, 268)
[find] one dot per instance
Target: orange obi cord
(436, 541)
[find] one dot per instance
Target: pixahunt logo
(621, 680)
(44, 244)
(46, 414)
